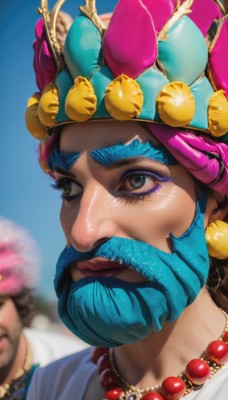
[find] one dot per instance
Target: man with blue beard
(136, 146)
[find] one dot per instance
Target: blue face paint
(108, 156)
(62, 160)
(109, 312)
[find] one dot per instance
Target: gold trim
(160, 67)
(210, 78)
(54, 14)
(184, 9)
(221, 6)
(89, 9)
(178, 4)
(184, 128)
(213, 43)
(49, 18)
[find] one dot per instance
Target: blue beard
(110, 312)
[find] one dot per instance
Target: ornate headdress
(152, 63)
(19, 259)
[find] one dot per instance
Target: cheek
(67, 218)
(155, 218)
(11, 319)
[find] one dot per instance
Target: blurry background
(26, 196)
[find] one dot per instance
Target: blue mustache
(149, 261)
(119, 250)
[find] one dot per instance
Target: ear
(217, 208)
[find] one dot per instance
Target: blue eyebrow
(108, 156)
(62, 159)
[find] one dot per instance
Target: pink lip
(100, 267)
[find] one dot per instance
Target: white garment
(67, 379)
(49, 346)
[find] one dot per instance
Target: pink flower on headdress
(43, 62)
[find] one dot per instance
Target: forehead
(90, 135)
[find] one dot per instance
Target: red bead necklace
(196, 373)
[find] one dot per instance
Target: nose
(96, 220)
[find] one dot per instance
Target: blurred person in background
(22, 349)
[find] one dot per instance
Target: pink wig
(19, 259)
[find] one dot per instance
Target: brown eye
(67, 187)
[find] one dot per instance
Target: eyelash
(59, 185)
(124, 195)
(131, 197)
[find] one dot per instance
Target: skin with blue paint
(109, 156)
(143, 199)
(141, 182)
(62, 160)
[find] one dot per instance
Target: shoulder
(59, 379)
(50, 346)
(66, 364)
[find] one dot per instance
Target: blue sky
(26, 196)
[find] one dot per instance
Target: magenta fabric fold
(130, 42)
(43, 62)
(161, 11)
(205, 159)
(44, 151)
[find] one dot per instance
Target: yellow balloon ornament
(218, 114)
(32, 120)
(217, 239)
(81, 100)
(49, 105)
(176, 104)
(123, 98)
(42, 161)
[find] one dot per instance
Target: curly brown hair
(25, 306)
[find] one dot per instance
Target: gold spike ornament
(50, 18)
(89, 9)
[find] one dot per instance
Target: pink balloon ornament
(130, 48)
(43, 62)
